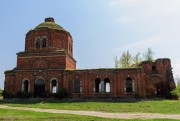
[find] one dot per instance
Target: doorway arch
(26, 85)
(39, 87)
(129, 84)
(97, 85)
(107, 85)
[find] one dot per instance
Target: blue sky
(101, 29)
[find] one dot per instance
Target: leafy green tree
(126, 60)
(1, 92)
(137, 59)
(116, 61)
(176, 92)
(177, 80)
(148, 55)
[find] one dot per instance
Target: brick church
(47, 64)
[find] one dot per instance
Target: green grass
(163, 106)
(7, 114)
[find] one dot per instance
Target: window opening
(44, 42)
(26, 86)
(38, 42)
(77, 85)
(129, 85)
(97, 85)
(54, 86)
(107, 85)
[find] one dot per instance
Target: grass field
(7, 114)
(163, 106)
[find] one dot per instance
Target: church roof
(48, 24)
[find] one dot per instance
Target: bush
(62, 93)
(1, 91)
(175, 94)
(137, 95)
(24, 95)
(168, 95)
(148, 94)
(7, 94)
(45, 94)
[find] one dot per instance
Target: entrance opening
(39, 88)
(54, 86)
(107, 85)
(159, 90)
(129, 85)
(77, 85)
(97, 85)
(26, 86)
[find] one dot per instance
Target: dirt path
(102, 114)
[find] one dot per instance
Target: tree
(116, 61)
(125, 60)
(178, 80)
(176, 92)
(148, 55)
(137, 59)
(1, 92)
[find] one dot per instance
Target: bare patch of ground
(102, 114)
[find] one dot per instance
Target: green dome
(48, 24)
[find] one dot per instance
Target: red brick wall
(56, 39)
(117, 80)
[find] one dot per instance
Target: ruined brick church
(47, 64)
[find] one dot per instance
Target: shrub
(7, 94)
(148, 94)
(62, 93)
(137, 95)
(45, 94)
(168, 95)
(1, 91)
(24, 95)
(175, 94)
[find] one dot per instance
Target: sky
(101, 29)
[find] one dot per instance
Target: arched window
(25, 86)
(44, 42)
(129, 85)
(54, 86)
(107, 85)
(38, 42)
(77, 85)
(97, 85)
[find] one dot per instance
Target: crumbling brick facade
(47, 64)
